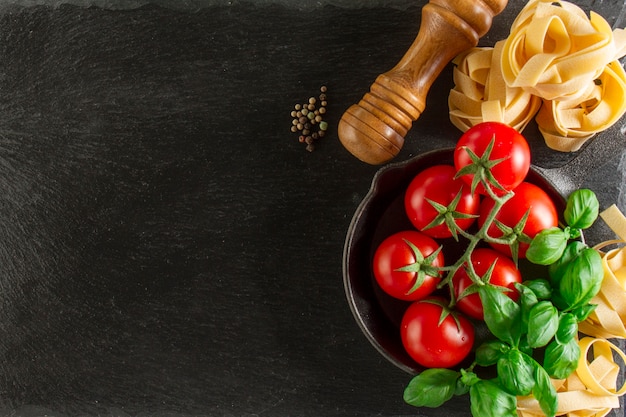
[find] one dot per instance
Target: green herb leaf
(516, 372)
(544, 392)
(527, 301)
(568, 328)
(557, 269)
(583, 312)
(541, 288)
(582, 278)
(543, 322)
(431, 388)
(468, 378)
(582, 208)
(502, 315)
(489, 352)
(561, 360)
(488, 399)
(547, 246)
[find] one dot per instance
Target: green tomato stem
(474, 240)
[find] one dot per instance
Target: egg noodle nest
(557, 65)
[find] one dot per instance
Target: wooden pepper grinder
(374, 129)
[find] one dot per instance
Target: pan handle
(604, 147)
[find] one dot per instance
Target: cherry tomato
(504, 274)
(509, 145)
(438, 183)
(528, 197)
(395, 252)
(431, 341)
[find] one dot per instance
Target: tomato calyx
(479, 281)
(512, 236)
(481, 168)
(445, 311)
(449, 215)
(422, 266)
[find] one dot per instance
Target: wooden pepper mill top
(374, 129)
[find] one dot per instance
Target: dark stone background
(167, 246)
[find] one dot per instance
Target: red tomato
(542, 215)
(431, 341)
(509, 145)
(504, 274)
(438, 183)
(394, 253)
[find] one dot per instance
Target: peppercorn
(308, 119)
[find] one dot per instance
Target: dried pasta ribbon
(589, 391)
(567, 124)
(616, 221)
(480, 93)
(554, 50)
(609, 318)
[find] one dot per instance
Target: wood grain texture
(167, 246)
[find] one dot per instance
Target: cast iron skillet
(381, 213)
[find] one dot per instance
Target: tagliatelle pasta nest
(556, 56)
(591, 391)
(481, 93)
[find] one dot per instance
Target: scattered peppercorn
(308, 119)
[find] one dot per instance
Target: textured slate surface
(167, 246)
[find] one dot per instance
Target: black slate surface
(167, 246)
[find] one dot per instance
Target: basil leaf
(544, 392)
(581, 209)
(461, 388)
(523, 346)
(431, 388)
(527, 300)
(541, 288)
(583, 312)
(543, 322)
(502, 315)
(557, 269)
(561, 360)
(582, 278)
(487, 399)
(489, 352)
(547, 246)
(468, 378)
(568, 328)
(516, 372)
